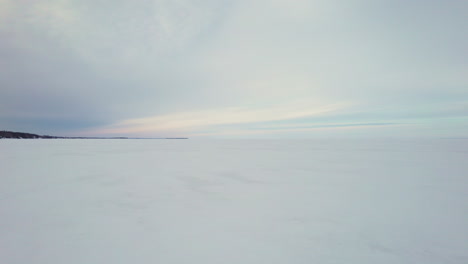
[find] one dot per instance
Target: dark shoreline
(23, 135)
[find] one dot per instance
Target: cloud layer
(234, 68)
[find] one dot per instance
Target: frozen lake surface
(234, 201)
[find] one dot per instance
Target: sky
(234, 69)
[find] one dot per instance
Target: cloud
(194, 121)
(186, 67)
(109, 57)
(317, 130)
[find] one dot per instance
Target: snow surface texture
(233, 201)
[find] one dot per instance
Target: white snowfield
(233, 201)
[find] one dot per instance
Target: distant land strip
(22, 135)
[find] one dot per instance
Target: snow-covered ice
(234, 201)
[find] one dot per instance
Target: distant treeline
(11, 134)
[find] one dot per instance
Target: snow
(233, 201)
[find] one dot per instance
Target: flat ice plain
(233, 201)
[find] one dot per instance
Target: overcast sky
(235, 68)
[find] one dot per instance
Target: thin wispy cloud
(319, 131)
(193, 122)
